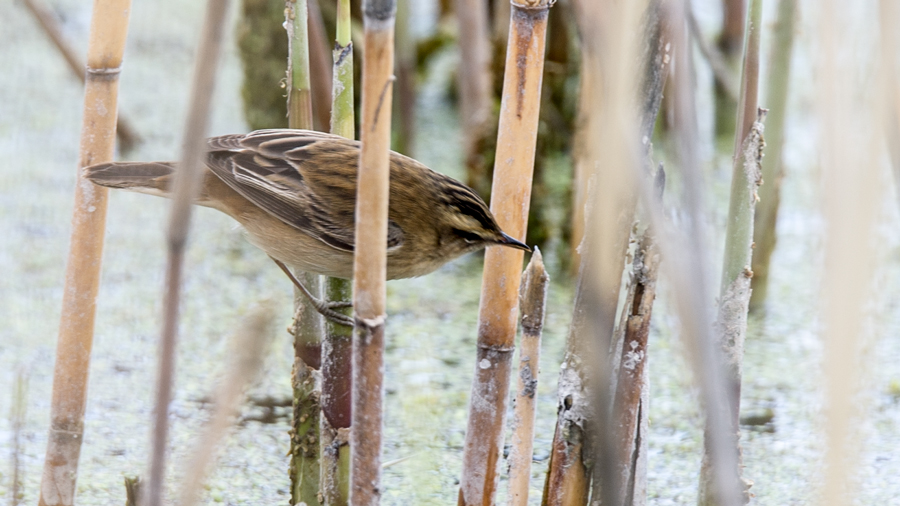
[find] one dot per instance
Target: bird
(294, 193)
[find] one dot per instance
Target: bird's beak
(506, 240)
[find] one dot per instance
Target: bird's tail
(154, 178)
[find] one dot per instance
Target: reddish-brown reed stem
(369, 261)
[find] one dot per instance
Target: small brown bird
(294, 191)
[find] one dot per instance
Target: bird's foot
(338, 304)
(324, 308)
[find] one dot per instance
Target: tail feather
(154, 178)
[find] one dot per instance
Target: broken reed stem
(186, 186)
(304, 468)
(628, 405)
(777, 84)
(849, 112)
(734, 294)
(370, 253)
(610, 62)
(510, 198)
(246, 352)
(337, 349)
(128, 137)
(133, 491)
(109, 24)
(533, 300)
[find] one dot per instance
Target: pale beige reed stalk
(109, 25)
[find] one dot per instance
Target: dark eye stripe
(475, 210)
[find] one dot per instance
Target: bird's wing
(305, 179)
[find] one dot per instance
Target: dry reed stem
(510, 198)
(246, 351)
(133, 491)
(370, 254)
(614, 48)
(128, 137)
(109, 24)
(851, 198)
(628, 406)
(186, 185)
(533, 299)
(610, 62)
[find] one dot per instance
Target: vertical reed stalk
(510, 200)
(109, 24)
(342, 118)
(475, 85)
(734, 295)
(629, 406)
(185, 187)
(304, 467)
(777, 84)
(685, 266)
(299, 94)
(849, 111)
(370, 253)
(610, 62)
(568, 474)
(533, 300)
(613, 44)
(337, 349)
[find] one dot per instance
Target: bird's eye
(469, 237)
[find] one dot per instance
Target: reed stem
(186, 186)
(510, 199)
(370, 253)
(109, 25)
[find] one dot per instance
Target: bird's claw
(326, 308)
(338, 304)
